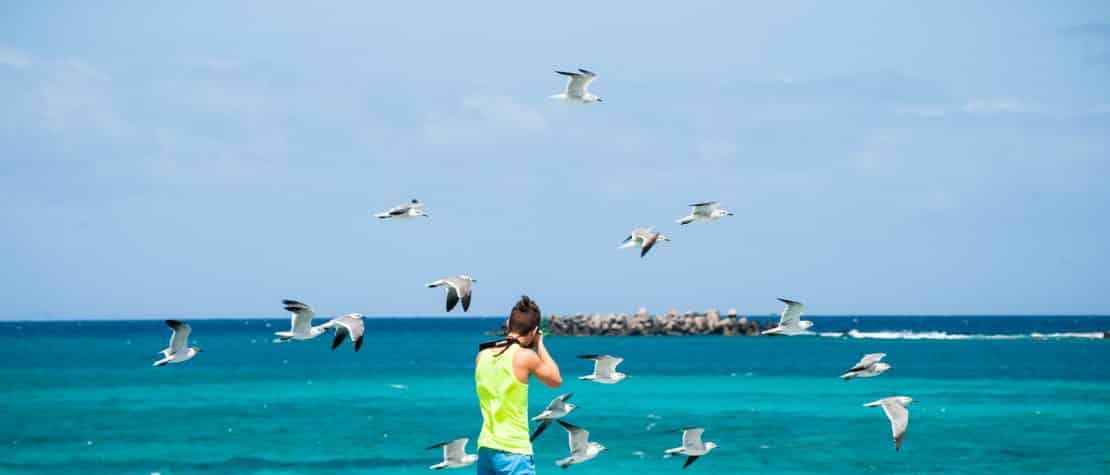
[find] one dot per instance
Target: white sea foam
(937, 335)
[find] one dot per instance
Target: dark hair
(524, 317)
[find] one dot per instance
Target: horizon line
(463, 317)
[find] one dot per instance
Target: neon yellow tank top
(504, 403)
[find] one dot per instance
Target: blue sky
(213, 158)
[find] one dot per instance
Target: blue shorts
(496, 462)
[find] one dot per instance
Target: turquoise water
(82, 396)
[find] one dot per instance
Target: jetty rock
(671, 323)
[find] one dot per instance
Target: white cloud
(995, 106)
(76, 97)
(14, 58)
(922, 110)
(716, 150)
(481, 119)
(505, 111)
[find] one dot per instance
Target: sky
(209, 159)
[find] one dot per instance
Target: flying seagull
(692, 446)
(558, 408)
(178, 351)
(411, 209)
(346, 326)
(301, 323)
(454, 454)
(581, 449)
(458, 287)
(895, 410)
(644, 238)
(790, 323)
(576, 87)
(705, 212)
(868, 366)
(605, 369)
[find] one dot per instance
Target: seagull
(178, 352)
(411, 209)
(790, 322)
(576, 87)
(301, 323)
(454, 454)
(867, 367)
(705, 212)
(581, 449)
(558, 408)
(692, 446)
(349, 325)
(895, 409)
(605, 369)
(457, 287)
(644, 238)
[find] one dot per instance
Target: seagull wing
(452, 297)
(539, 429)
(463, 288)
(649, 242)
(577, 437)
(868, 360)
(792, 314)
(605, 366)
(899, 419)
(576, 84)
(355, 329)
(455, 450)
(691, 439)
(399, 210)
(180, 338)
(690, 460)
(559, 402)
(705, 208)
(302, 315)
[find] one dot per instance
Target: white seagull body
(408, 210)
(458, 288)
(346, 326)
(605, 369)
(895, 410)
(643, 238)
(869, 366)
(790, 322)
(705, 212)
(558, 408)
(178, 351)
(454, 454)
(577, 89)
(581, 449)
(300, 324)
(692, 446)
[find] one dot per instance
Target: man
(501, 376)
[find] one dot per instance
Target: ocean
(992, 394)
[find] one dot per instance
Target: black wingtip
(587, 71)
(788, 301)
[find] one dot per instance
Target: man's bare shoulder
(526, 357)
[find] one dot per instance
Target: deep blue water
(989, 398)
